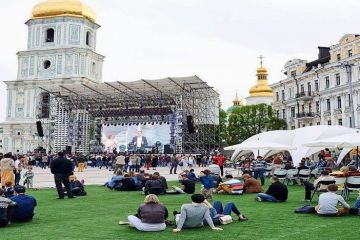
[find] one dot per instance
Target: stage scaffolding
(169, 100)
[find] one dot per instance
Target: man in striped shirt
(258, 166)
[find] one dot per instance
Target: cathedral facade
(61, 50)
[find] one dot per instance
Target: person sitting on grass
(150, 217)
(6, 209)
(231, 186)
(328, 204)
(154, 186)
(192, 176)
(277, 192)
(77, 187)
(8, 190)
(217, 211)
(193, 215)
(208, 184)
(251, 185)
(115, 180)
(126, 184)
(356, 209)
(25, 205)
(187, 186)
(311, 186)
(162, 179)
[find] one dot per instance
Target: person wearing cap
(25, 205)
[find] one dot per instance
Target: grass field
(96, 216)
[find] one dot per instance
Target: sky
(220, 41)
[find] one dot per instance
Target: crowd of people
(131, 174)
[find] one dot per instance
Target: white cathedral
(61, 50)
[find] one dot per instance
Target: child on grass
(29, 177)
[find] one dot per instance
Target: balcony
(304, 96)
(305, 115)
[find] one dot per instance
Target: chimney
(324, 52)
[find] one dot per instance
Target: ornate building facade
(318, 92)
(61, 50)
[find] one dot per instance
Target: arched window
(88, 38)
(50, 33)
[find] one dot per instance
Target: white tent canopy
(296, 138)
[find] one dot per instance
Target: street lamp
(348, 67)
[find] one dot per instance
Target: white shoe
(258, 199)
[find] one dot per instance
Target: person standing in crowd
(174, 164)
(62, 169)
(25, 205)
(258, 167)
(7, 165)
(220, 159)
(18, 169)
(277, 192)
(29, 177)
(119, 163)
(194, 214)
(151, 215)
(44, 161)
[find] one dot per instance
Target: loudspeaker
(168, 149)
(39, 129)
(68, 149)
(190, 124)
(45, 105)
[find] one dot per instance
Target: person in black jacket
(154, 186)
(277, 192)
(62, 169)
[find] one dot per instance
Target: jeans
(146, 227)
(267, 198)
(17, 178)
(173, 167)
(229, 207)
(260, 173)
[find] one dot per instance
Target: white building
(317, 92)
(61, 50)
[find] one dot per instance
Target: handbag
(227, 219)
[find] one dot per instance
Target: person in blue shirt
(208, 184)
(192, 176)
(25, 205)
(115, 180)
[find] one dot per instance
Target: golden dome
(54, 8)
(261, 89)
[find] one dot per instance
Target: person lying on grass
(150, 217)
(194, 214)
(217, 212)
(231, 186)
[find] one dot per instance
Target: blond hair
(151, 198)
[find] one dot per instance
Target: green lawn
(96, 216)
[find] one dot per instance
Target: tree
(247, 121)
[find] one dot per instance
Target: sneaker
(306, 200)
(258, 199)
(242, 218)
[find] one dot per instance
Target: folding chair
(340, 182)
(352, 184)
(268, 170)
(280, 174)
(315, 173)
(318, 191)
(292, 175)
(304, 174)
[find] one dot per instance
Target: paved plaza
(95, 176)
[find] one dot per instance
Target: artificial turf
(96, 216)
